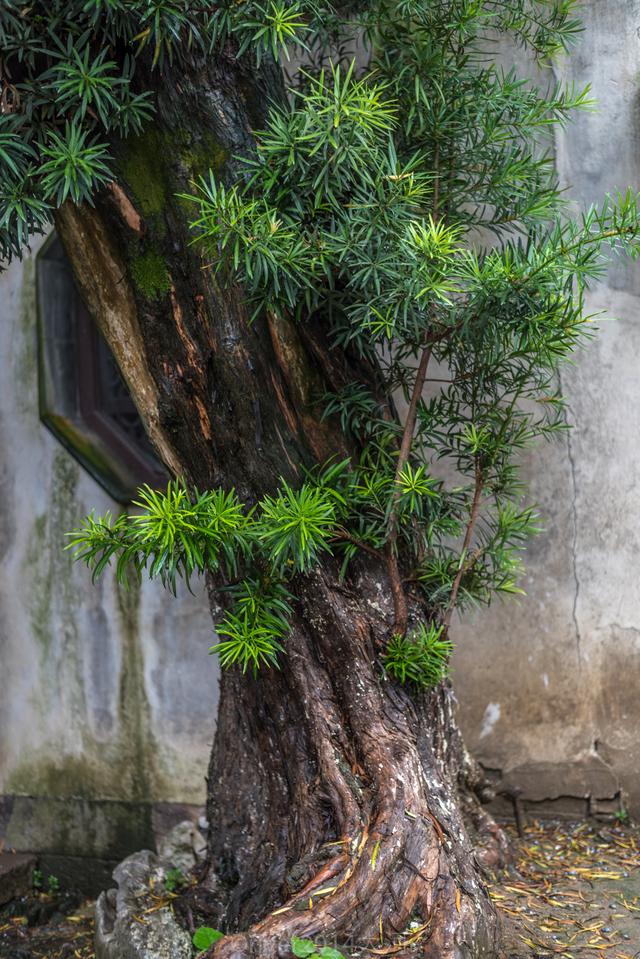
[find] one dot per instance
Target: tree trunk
(339, 802)
(335, 796)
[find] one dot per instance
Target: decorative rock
(123, 930)
(183, 847)
(16, 872)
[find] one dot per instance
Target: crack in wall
(574, 542)
(624, 629)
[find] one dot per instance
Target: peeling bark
(101, 274)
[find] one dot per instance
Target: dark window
(83, 398)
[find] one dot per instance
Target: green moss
(143, 168)
(137, 739)
(43, 774)
(41, 591)
(198, 157)
(98, 463)
(71, 437)
(47, 566)
(150, 274)
(203, 155)
(28, 352)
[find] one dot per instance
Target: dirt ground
(46, 927)
(573, 892)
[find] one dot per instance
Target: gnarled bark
(336, 797)
(346, 821)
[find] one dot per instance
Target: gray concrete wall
(107, 696)
(549, 685)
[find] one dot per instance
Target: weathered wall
(548, 685)
(107, 696)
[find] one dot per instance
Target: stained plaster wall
(107, 696)
(549, 687)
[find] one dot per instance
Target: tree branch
(343, 534)
(399, 598)
(401, 612)
(475, 509)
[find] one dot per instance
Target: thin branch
(410, 423)
(342, 534)
(400, 607)
(569, 248)
(462, 568)
(436, 183)
(401, 613)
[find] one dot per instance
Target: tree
(280, 279)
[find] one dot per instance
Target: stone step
(16, 875)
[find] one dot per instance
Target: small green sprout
(173, 879)
(307, 949)
(420, 658)
(53, 885)
(204, 937)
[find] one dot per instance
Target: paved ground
(573, 892)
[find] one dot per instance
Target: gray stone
(125, 929)
(16, 872)
(587, 778)
(79, 827)
(183, 847)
